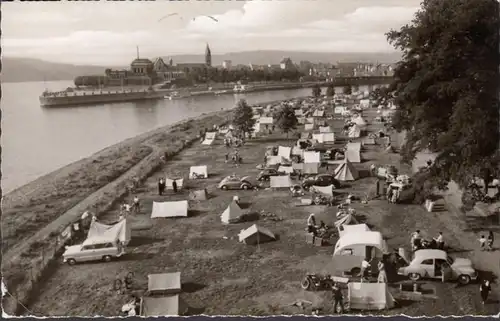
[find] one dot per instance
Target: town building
(208, 56)
(287, 64)
(227, 64)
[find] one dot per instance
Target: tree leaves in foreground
(316, 91)
(446, 88)
(243, 120)
(286, 119)
(330, 91)
(347, 90)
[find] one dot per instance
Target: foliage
(286, 119)
(330, 91)
(316, 91)
(381, 96)
(446, 87)
(347, 90)
(221, 75)
(243, 120)
(90, 81)
(355, 88)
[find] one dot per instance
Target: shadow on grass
(191, 287)
(143, 240)
(486, 275)
(452, 250)
(483, 223)
(402, 303)
(195, 311)
(194, 213)
(244, 205)
(250, 217)
(136, 256)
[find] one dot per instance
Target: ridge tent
(370, 296)
(352, 228)
(309, 127)
(310, 168)
(284, 152)
(286, 169)
(164, 283)
(168, 183)
(353, 152)
(198, 172)
(120, 231)
(199, 195)
(354, 131)
(346, 171)
(312, 157)
(210, 135)
(325, 129)
(346, 220)
(170, 209)
(255, 235)
(232, 214)
(280, 181)
(326, 190)
(171, 305)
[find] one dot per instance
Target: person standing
(489, 241)
(382, 275)
(161, 186)
(174, 186)
(440, 241)
(136, 205)
(416, 240)
(311, 223)
(338, 299)
(365, 266)
(482, 242)
(485, 289)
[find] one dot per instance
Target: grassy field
(223, 277)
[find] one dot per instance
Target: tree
(446, 88)
(330, 91)
(347, 90)
(286, 119)
(243, 120)
(381, 96)
(316, 91)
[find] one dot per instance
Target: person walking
(311, 224)
(382, 275)
(489, 241)
(416, 240)
(338, 299)
(482, 242)
(161, 186)
(174, 186)
(440, 241)
(136, 204)
(485, 289)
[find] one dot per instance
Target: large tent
(170, 209)
(232, 214)
(255, 235)
(319, 137)
(353, 152)
(198, 172)
(280, 181)
(370, 296)
(284, 152)
(312, 157)
(209, 138)
(119, 231)
(328, 138)
(326, 190)
(169, 182)
(346, 171)
(164, 283)
(171, 305)
(310, 168)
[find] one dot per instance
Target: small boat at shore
(178, 95)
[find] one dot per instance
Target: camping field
(221, 276)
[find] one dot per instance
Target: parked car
(93, 251)
(265, 174)
(235, 182)
(321, 180)
(431, 263)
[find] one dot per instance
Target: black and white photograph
(250, 158)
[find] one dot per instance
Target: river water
(36, 141)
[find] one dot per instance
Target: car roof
(430, 254)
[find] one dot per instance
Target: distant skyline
(107, 33)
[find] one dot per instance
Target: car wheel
(414, 276)
(306, 283)
(106, 258)
(71, 262)
(246, 187)
(464, 279)
(224, 188)
(355, 271)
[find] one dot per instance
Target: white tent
(340, 110)
(256, 235)
(198, 172)
(354, 131)
(370, 296)
(232, 214)
(345, 220)
(327, 190)
(171, 305)
(301, 120)
(210, 135)
(312, 157)
(284, 152)
(309, 127)
(164, 283)
(359, 121)
(280, 181)
(319, 137)
(298, 112)
(328, 137)
(170, 209)
(266, 120)
(353, 152)
(346, 171)
(286, 169)
(120, 231)
(310, 120)
(256, 127)
(208, 141)
(364, 103)
(168, 183)
(275, 160)
(296, 150)
(325, 129)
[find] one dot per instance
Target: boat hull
(80, 99)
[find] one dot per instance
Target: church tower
(208, 57)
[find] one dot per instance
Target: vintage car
(321, 180)
(235, 182)
(432, 263)
(266, 174)
(93, 250)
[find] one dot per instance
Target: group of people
(487, 243)
(417, 242)
(366, 267)
(235, 158)
(162, 186)
(392, 194)
(135, 207)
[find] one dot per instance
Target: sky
(107, 33)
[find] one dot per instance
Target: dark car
(265, 174)
(321, 180)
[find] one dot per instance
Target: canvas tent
(280, 181)
(284, 152)
(286, 169)
(326, 190)
(297, 151)
(354, 131)
(369, 296)
(164, 283)
(312, 157)
(340, 110)
(364, 103)
(170, 209)
(319, 113)
(298, 112)
(120, 231)
(209, 138)
(309, 127)
(345, 220)
(232, 214)
(305, 135)
(353, 152)
(346, 171)
(255, 235)
(352, 228)
(199, 195)
(328, 137)
(310, 168)
(359, 121)
(310, 120)
(266, 120)
(179, 181)
(325, 129)
(171, 305)
(198, 172)
(318, 137)
(301, 120)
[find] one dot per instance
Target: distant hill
(264, 57)
(27, 69)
